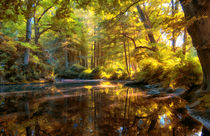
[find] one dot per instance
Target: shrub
(124, 76)
(77, 68)
(97, 72)
(68, 74)
(73, 72)
(86, 74)
(187, 74)
(174, 72)
(118, 74)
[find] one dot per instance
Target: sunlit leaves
(29, 45)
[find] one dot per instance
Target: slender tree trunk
(173, 42)
(28, 30)
(1, 25)
(92, 57)
(129, 59)
(86, 62)
(174, 10)
(95, 57)
(98, 55)
(66, 60)
(184, 42)
(28, 39)
(36, 28)
(83, 58)
(102, 57)
(199, 30)
(126, 60)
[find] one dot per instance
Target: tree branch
(144, 47)
(139, 47)
(46, 11)
(44, 30)
(123, 12)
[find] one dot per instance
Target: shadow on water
(100, 108)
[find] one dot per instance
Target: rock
(140, 123)
(152, 86)
(157, 85)
(194, 104)
(161, 89)
(179, 91)
(201, 116)
(169, 90)
(148, 86)
(153, 92)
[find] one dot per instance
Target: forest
(142, 42)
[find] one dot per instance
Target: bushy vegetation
(78, 71)
(11, 61)
(85, 44)
(173, 69)
(71, 73)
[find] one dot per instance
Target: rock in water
(179, 91)
(153, 92)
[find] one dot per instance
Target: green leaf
(28, 45)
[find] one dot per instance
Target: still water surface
(91, 109)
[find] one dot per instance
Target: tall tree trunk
(36, 32)
(146, 24)
(129, 59)
(28, 39)
(126, 59)
(1, 24)
(83, 58)
(184, 42)
(98, 54)
(95, 57)
(92, 57)
(174, 10)
(86, 62)
(66, 59)
(199, 30)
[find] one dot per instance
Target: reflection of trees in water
(103, 111)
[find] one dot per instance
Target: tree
(199, 30)
(174, 10)
(147, 23)
(28, 17)
(38, 18)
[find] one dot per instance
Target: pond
(91, 109)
